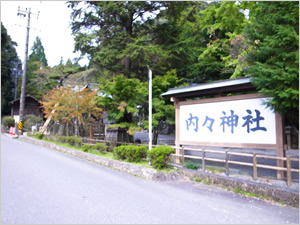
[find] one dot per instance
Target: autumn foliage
(70, 105)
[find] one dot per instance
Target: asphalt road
(42, 186)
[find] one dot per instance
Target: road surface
(42, 186)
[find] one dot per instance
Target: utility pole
(16, 74)
(150, 108)
(23, 87)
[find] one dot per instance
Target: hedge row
(99, 147)
(72, 140)
(132, 153)
(158, 156)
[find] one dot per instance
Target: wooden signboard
(241, 121)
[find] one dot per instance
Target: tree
(222, 23)
(274, 61)
(163, 111)
(8, 60)
(38, 52)
(121, 96)
(37, 83)
(114, 34)
(71, 105)
(178, 32)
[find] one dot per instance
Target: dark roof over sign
(213, 88)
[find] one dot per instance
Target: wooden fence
(226, 161)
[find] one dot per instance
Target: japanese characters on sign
(237, 121)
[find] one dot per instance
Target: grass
(197, 179)
(207, 182)
(191, 165)
(215, 170)
(67, 145)
(238, 190)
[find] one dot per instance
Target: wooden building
(32, 106)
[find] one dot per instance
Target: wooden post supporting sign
(279, 144)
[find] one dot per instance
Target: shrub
(39, 135)
(132, 153)
(191, 165)
(160, 156)
(8, 121)
(110, 146)
(72, 140)
(61, 139)
(49, 137)
(100, 147)
(87, 147)
(120, 152)
(55, 76)
(135, 153)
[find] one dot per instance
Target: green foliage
(38, 71)
(132, 153)
(39, 135)
(191, 165)
(8, 121)
(62, 139)
(120, 97)
(55, 76)
(239, 190)
(100, 147)
(113, 26)
(38, 52)
(221, 22)
(8, 60)
(160, 156)
(72, 140)
(192, 42)
(87, 147)
(132, 127)
(135, 153)
(274, 61)
(163, 110)
(120, 152)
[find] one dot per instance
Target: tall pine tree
(274, 64)
(37, 71)
(38, 52)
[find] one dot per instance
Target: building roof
(217, 87)
(26, 96)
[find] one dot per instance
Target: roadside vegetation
(183, 43)
(159, 157)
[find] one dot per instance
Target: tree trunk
(127, 62)
(155, 136)
(91, 133)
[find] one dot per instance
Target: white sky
(53, 23)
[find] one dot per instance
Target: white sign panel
(238, 121)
